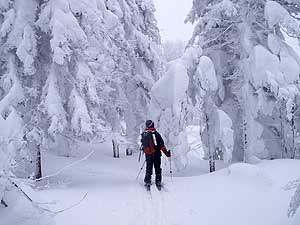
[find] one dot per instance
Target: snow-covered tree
(256, 70)
(170, 105)
(4, 164)
(19, 85)
(215, 125)
(72, 71)
(173, 50)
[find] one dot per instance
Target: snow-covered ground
(241, 194)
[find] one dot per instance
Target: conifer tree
(75, 71)
(246, 42)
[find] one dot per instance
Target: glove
(167, 153)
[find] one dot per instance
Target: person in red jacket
(153, 144)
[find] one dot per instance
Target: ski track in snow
(145, 214)
(153, 208)
(163, 210)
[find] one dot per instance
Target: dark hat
(149, 124)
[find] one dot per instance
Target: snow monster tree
(257, 71)
(72, 70)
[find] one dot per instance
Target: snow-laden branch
(71, 206)
(37, 204)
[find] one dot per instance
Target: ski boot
(147, 186)
(159, 185)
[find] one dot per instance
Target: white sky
(171, 15)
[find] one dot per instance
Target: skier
(152, 145)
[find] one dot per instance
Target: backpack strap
(154, 138)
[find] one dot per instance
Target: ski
(148, 191)
(148, 188)
(159, 187)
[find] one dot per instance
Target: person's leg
(149, 169)
(157, 166)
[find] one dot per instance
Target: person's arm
(141, 140)
(161, 145)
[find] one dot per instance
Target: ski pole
(140, 153)
(140, 170)
(171, 172)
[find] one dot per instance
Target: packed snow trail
(241, 194)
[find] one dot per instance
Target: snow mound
(264, 65)
(275, 13)
(251, 172)
(278, 75)
(207, 75)
(226, 135)
(22, 212)
(170, 90)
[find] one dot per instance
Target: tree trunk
(116, 149)
(211, 155)
(128, 151)
(282, 134)
(293, 132)
(38, 173)
(245, 141)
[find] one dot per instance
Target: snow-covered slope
(242, 194)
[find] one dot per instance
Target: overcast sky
(170, 15)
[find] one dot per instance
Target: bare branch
(72, 206)
(292, 185)
(205, 43)
(66, 167)
(37, 204)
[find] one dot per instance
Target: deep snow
(241, 194)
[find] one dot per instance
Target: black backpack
(148, 142)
